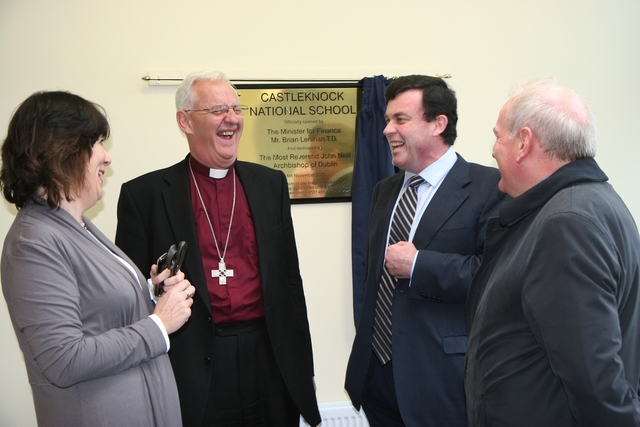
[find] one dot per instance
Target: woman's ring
(188, 294)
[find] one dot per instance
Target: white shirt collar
(436, 171)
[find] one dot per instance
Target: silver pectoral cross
(222, 273)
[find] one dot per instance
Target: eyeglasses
(220, 110)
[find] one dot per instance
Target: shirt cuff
(158, 322)
(413, 265)
(151, 294)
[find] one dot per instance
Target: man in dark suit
(244, 358)
(412, 374)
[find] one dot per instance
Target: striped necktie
(399, 232)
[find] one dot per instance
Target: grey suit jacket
(93, 356)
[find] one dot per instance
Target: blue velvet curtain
(372, 163)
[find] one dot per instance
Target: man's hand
(399, 259)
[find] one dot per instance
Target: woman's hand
(165, 276)
(174, 306)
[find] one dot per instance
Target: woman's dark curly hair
(48, 146)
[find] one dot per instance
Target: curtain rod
(176, 80)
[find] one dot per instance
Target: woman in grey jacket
(94, 344)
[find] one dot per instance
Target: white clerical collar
(204, 170)
(218, 173)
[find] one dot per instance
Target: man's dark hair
(437, 99)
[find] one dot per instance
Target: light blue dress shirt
(433, 175)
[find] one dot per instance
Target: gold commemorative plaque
(308, 133)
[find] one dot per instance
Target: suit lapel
(255, 191)
(444, 203)
(253, 188)
(379, 222)
(95, 246)
(177, 202)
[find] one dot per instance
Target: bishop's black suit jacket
(428, 328)
(155, 211)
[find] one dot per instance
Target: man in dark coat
(554, 311)
(244, 358)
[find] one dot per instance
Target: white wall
(100, 50)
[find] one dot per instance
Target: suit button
(209, 319)
(207, 360)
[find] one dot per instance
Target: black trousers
(379, 400)
(247, 389)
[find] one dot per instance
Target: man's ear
(525, 141)
(441, 124)
(183, 119)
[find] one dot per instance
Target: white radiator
(339, 414)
